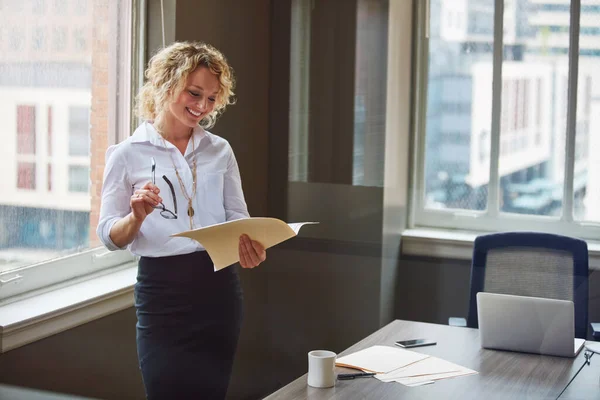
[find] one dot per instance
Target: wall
(97, 360)
(433, 290)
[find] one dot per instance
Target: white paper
(416, 380)
(221, 241)
(297, 225)
(421, 383)
(593, 347)
(380, 359)
(427, 366)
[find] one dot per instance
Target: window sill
(440, 243)
(34, 318)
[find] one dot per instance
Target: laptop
(527, 324)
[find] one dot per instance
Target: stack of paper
(425, 371)
(380, 359)
(403, 366)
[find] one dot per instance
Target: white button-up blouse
(218, 198)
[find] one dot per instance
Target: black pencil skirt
(189, 320)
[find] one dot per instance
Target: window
(79, 178)
(337, 93)
(79, 39)
(49, 148)
(54, 168)
(14, 6)
(79, 131)
(38, 7)
(49, 177)
(81, 7)
(39, 38)
(49, 130)
(59, 40)
(26, 175)
(16, 38)
(26, 144)
(25, 129)
(60, 7)
(527, 164)
(484, 145)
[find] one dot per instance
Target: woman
(189, 316)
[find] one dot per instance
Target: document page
(427, 366)
(380, 359)
(424, 371)
(419, 380)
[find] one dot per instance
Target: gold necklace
(190, 210)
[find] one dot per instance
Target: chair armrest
(454, 321)
(596, 330)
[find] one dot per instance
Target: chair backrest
(531, 264)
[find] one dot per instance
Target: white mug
(321, 365)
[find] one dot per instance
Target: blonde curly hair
(167, 75)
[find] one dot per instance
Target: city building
(45, 100)
(532, 137)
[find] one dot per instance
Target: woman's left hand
(252, 252)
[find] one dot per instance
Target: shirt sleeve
(116, 191)
(233, 195)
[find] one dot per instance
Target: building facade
(45, 106)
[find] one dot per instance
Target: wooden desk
(8, 392)
(586, 384)
(502, 374)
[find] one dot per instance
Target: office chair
(531, 264)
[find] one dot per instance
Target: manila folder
(221, 241)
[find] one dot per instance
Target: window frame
(492, 219)
(26, 281)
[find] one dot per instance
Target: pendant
(190, 211)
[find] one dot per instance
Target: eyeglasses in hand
(165, 212)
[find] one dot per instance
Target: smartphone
(415, 343)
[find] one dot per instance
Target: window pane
(459, 104)
(79, 37)
(60, 7)
(39, 38)
(587, 171)
(79, 179)
(49, 130)
(26, 175)
(38, 6)
(534, 108)
(49, 171)
(338, 91)
(25, 129)
(79, 131)
(370, 93)
(54, 83)
(59, 38)
(81, 7)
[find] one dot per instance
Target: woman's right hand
(143, 201)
